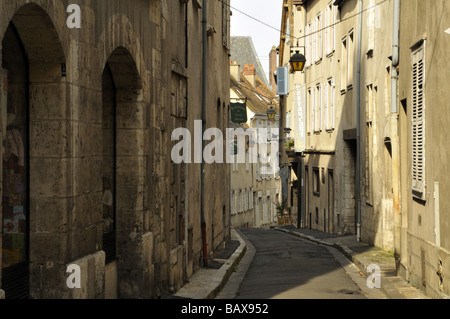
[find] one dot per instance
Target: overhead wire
(311, 33)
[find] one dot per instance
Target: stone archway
(129, 275)
(32, 116)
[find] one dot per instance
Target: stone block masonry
(94, 90)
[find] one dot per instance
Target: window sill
(330, 54)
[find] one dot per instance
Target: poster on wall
(10, 226)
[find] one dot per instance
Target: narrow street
(286, 267)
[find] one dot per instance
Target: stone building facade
(87, 116)
(424, 166)
(385, 148)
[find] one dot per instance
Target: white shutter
(282, 81)
(319, 102)
(319, 36)
(232, 203)
(418, 121)
(332, 104)
(333, 28)
(326, 104)
(372, 20)
(327, 30)
(313, 110)
(314, 45)
(307, 46)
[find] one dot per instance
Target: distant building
(253, 194)
(243, 52)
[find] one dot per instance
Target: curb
(225, 271)
(386, 286)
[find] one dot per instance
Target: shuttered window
(418, 123)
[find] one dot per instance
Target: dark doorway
(15, 188)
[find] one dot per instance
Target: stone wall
(157, 87)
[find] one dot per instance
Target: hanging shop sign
(238, 112)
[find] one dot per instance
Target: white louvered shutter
(418, 121)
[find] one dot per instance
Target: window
(418, 123)
(258, 168)
(288, 122)
(239, 201)
(369, 142)
(288, 31)
(344, 62)
(245, 200)
(316, 181)
(310, 112)
(329, 105)
(387, 95)
(309, 43)
(369, 103)
(350, 62)
(372, 22)
(247, 160)
(312, 103)
(318, 35)
(318, 108)
(330, 29)
(314, 40)
(232, 203)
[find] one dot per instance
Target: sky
(264, 37)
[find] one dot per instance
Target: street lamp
(271, 113)
(297, 61)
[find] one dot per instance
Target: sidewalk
(363, 255)
(206, 283)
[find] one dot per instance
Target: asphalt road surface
(287, 267)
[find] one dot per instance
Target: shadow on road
(286, 267)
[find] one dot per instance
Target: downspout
(202, 173)
(394, 129)
(358, 124)
(302, 188)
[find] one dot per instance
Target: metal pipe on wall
(202, 170)
(394, 128)
(358, 124)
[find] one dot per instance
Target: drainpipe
(358, 124)
(302, 189)
(202, 173)
(394, 129)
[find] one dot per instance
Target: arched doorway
(28, 71)
(125, 159)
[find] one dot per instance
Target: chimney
(273, 68)
(234, 70)
(249, 73)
